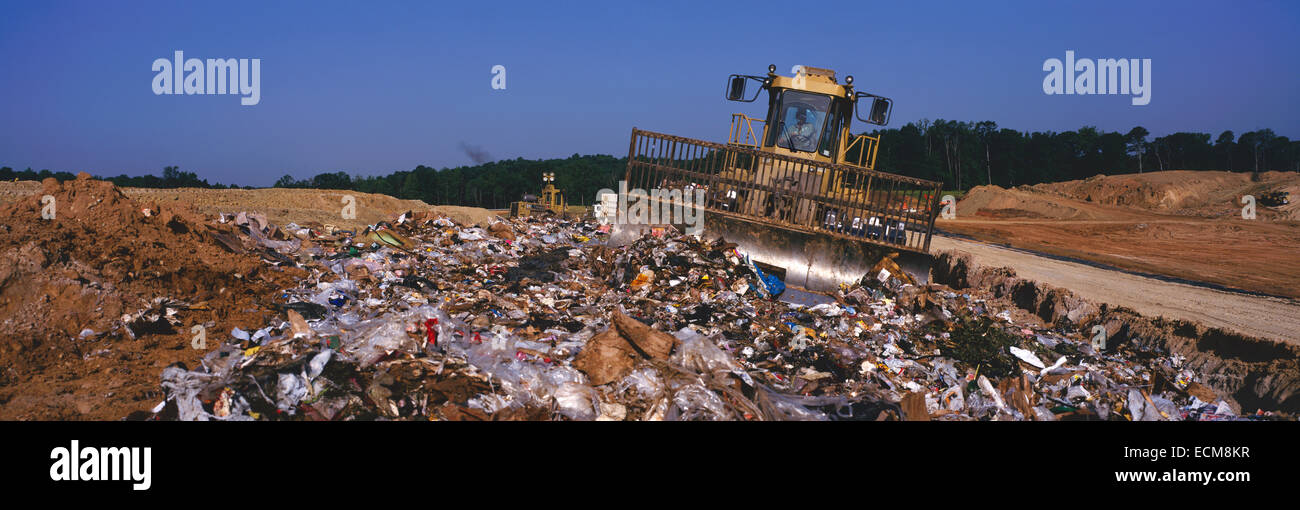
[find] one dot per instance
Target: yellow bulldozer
(800, 194)
(551, 200)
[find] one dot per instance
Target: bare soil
(282, 206)
(1186, 225)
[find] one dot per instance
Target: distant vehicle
(551, 201)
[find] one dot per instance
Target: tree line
(492, 185)
(172, 177)
(967, 154)
(960, 154)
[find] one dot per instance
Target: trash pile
(540, 319)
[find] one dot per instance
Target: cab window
(800, 121)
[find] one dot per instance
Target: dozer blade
(816, 262)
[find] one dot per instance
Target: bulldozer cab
(809, 115)
(795, 189)
(801, 119)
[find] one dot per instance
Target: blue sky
(374, 87)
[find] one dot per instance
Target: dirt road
(1261, 316)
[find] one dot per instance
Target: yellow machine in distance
(800, 194)
(551, 200)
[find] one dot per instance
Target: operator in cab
(799, 135)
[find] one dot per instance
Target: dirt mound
(1177, 192)
(11, 191)
(997, 202)
(282, 206)
(72, 289)
(1183, 192)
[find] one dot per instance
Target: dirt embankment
(1186, 193)
(1256, 373)
(996, 202)
(281, 205)
(72, 289)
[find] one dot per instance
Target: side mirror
(878, 112)
(736, 88)
(736, 91)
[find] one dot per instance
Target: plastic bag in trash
(693, 401)
(317, 363)
(183, 387)
(788, 408)
(770, 285)
(645, 381)
(700, 354)
(382, 338)
(576, 401)
(289, 390)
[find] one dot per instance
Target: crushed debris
(538, 319)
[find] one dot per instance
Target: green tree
(286, 182)
(1136, 140)
(1224, 145)
(985, 129)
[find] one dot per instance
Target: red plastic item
(430, 331)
